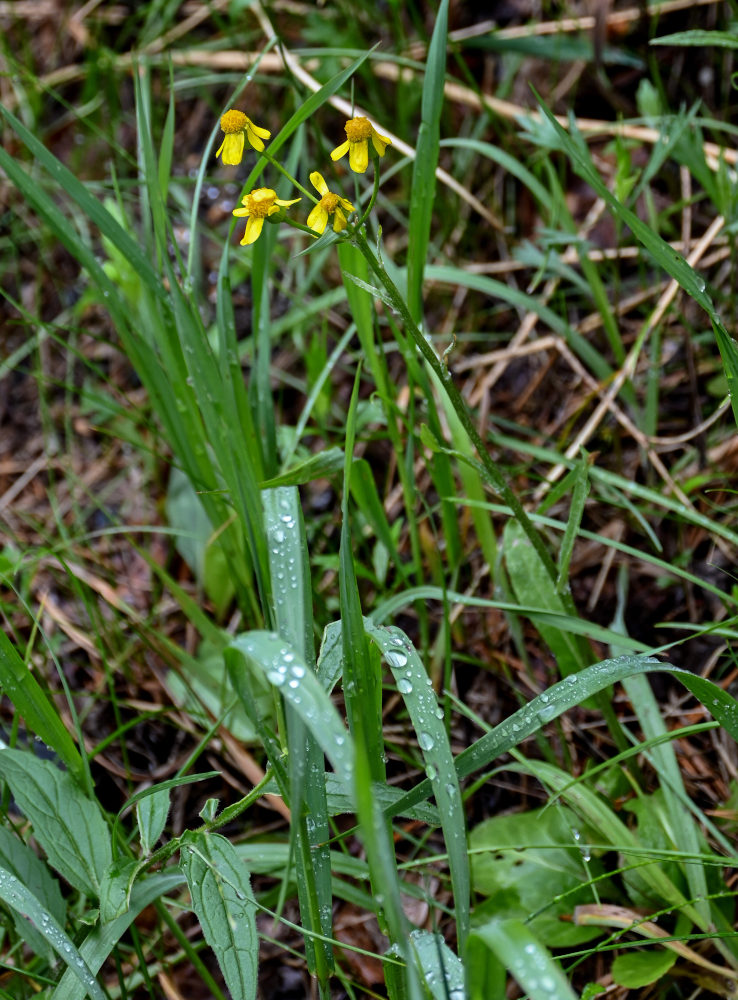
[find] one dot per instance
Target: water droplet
(395, 658)
(546, 713)
(425, 741)
(276, 678)
(404, 686)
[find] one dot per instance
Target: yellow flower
(329, 204)
(358, 133)
(237, 127)
(259, 205)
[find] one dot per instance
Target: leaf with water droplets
(225, 906)
(413, 684)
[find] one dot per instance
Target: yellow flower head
(237, 127)
(259, 205)
(329, 204)
(358, 133)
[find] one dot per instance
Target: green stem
(288, 175)
(493, 473)
(375, 192)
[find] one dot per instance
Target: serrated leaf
(225, 906)
(69, 826)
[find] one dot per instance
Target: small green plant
(300, 647)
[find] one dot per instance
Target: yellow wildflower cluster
(261, 203)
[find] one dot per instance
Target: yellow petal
(339, 221)
(347, 205)
(220, 148)
(380, 142)
(254, 139)
(233, 149)
(340, 151)
(284, 204)
(318, 219)
(263, 132)
(359, 156)
(318, 183)
(253, 231)
(241, 212)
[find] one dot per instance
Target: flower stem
(288, 175)
(491, 469)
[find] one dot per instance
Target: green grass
(324, 619)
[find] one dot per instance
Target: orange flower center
(358, 130)
(259, 202)
(233, 121)
(329, 202)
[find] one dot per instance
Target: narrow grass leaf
(68, 825)
(423, 187)
(89, 205)
(40, 716)
(565, 695)
(665, 256)
(534, 588)
(325, 464)
(305, 111)
(700, 37)
(17, 858)
(521, 300)
(100, 942)
(573, 522)
(442, 970)
(414, 685)
(517, 948)
(362, 692)
(225, 906)
(285, 669)
(21, 900)
(290, 572)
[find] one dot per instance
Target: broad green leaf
(22, 901)
(69, 826)
(636, 969)
(151, 816)
(523, 862)
(225, 906)
(115, 891)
